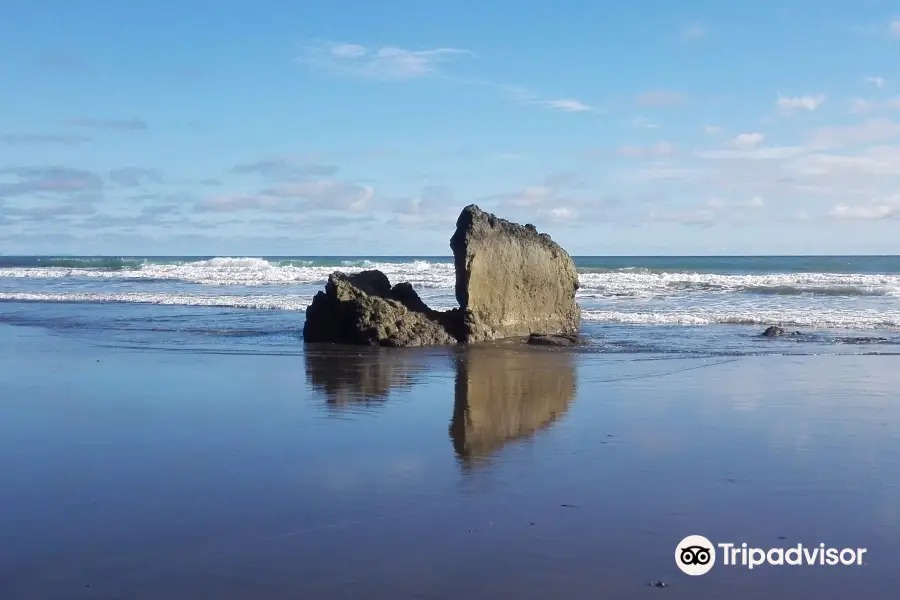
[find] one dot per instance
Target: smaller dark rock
(658, 584)
(406, 295)
(773, 331)
(540, 339)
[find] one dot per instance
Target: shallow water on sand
(141, 467)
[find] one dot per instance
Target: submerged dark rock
(775, 331)
(538, 339)
(511, 281)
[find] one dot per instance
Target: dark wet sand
(436, 474)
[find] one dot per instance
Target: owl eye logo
(695, 555)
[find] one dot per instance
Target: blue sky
(351, 127)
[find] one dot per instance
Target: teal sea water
(684, 304)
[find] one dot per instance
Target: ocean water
(706, 305)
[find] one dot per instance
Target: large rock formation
(511, 281)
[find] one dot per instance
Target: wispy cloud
(870, 212)
(712, 129)
(660, 98)
(387, 63)
(860, 105)
(754, 202)
(115, 124)
(791, 103)
(566, 105)
(876, 81)
(285, 168)
(894, 28)
(34, 180)
(642, 123)
(657, 150)
(693, 31)
(50, 212)
(746, 141)
(395, 64)
(431, 201)
(704, 217)
(307, 196)
(868, 132)
(30, 139)
(562, 213)
(546, 192)
(134, 176)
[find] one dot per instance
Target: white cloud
(660, 98)
(876, 81)
(642, 123)
(388, 63)
(862, 213)
(754, 202)
(327, 194)
(712, 129)
(240, 202)
(747, 140)
(703, 217)
(562, 213)
(658, 149)
(693, 31)
(526, 96)
(860, 105)
(868, 132)
(567, 105)
(878, 161)
(530, 196)
(754, 153)
(348, 50)
(295, 197)
(810, 103)
(561, 196)
(894, 27)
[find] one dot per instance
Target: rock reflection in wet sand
(507, 394)
(356, 376)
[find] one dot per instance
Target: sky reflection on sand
(156, 474)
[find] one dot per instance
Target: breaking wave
(822, 318)
(646, 284)
(243, 271)
(625, 282)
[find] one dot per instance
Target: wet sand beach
(441, 473)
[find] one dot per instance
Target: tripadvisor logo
(696, 555)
